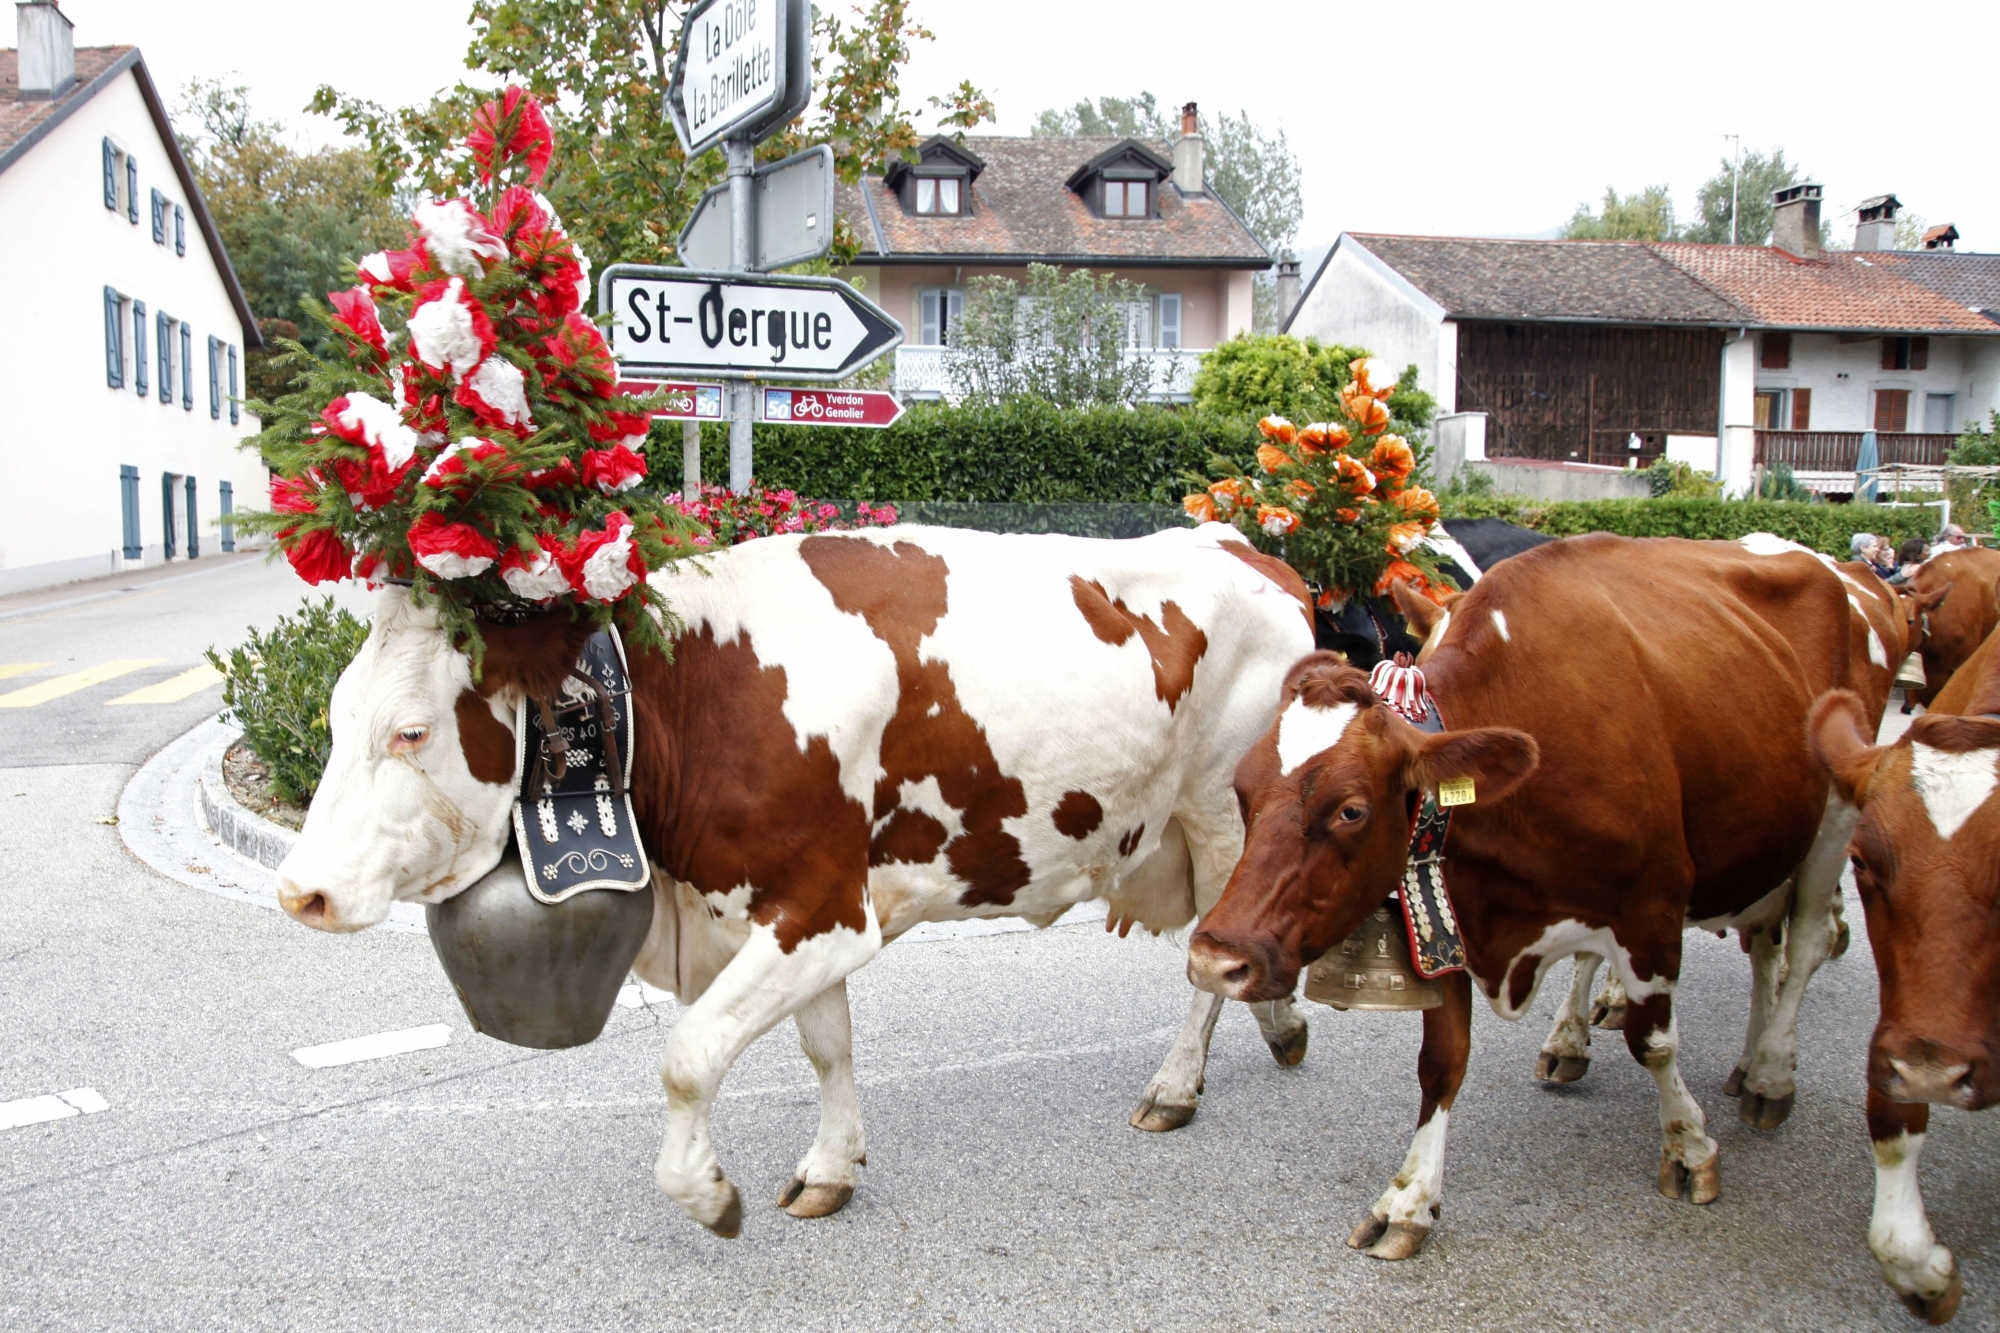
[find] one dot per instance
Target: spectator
(1908, 556)
(1881, 558)
(1861, 546)
(1953, 538)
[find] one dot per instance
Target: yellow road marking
(56, 687)
(173, 689)
(21, 668)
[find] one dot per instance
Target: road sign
(794, 216)
(832, 407)
(674, 321)
(684, 402)
(739, 70)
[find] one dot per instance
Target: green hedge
(1022, 452)
(1824, 527)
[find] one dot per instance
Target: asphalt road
(480, 1186)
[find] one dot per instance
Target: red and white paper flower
(393, 268)
(604, 565)
(449, 329)
(451, 550)
(536, 576)
(458, 239)
(448, 468)
(354, 310)
(497, 393)
(613, 470)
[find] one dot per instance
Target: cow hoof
(1399, 1240)
(1765, 1112)
(1553, 1068)
(803, 1200)
(1610, 1017)
(731, 1221)
(1292, 1049)
(1701, 1184)
(1367, 1233)
(1940, 1308)
(1159, 1117)
(1733, 1086)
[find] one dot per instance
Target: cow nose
(1216, 967)
(307, 905)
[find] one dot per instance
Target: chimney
(1875, 223)
(1795, 220)
(1188, 152)
(47, 50)
(1941, 238)
(1288, 289)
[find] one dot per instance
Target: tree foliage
(1758, 177)
(603, 66)
(1059, 337)
(1645, 216)
(1299, 378)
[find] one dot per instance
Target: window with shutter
(1920, 353)
(1777, 351)
(163, 333)
(114, 337)
(131, 189)
(1802, 409)
(139, 361)
(110, 175)
(227, 507)
(128, 504)
(180, 230)
(1170, 320)
(214, 379)
(187, 367)
(193, 525)
(159, 218)
(235, 403)
(1892, 409)
(168, 547)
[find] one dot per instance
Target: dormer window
(1122, 182)
(939, 183)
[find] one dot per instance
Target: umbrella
(1870, 459)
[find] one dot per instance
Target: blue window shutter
(114, 337)
(167, 513)
(215, 380)
(159, 218)
(187, 371)
(131, 189)
(139, 362)
(228, 507)
(110, 175)
(128, 503)
(180, 230)
(163, 334)
(193, 526)
(235, 403)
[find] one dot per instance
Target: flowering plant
(467, 434)
(1334, 499)
(727, 518)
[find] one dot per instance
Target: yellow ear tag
(1457, 791)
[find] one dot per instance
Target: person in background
(1862, 547)
(1953, 538)
(1882, 558)
(1908, 556)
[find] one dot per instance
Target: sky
(1427, 116)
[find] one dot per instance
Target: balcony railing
(1840, 450)
(925, 372)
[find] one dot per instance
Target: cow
(1952, 603)
(1631, 716)
(1926, 858)
(856, 733)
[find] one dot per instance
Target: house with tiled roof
(990, 205)
(1607, 354)
(121, 364)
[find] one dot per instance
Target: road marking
(173, 689)
(58, 1106)
(374, 1047)
(57, 686)
(21, 668)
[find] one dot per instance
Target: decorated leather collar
(1435, 945)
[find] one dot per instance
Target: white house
(121, 361)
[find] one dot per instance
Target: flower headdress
(467, 435)
(1334, 499)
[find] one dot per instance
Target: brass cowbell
(1910, 675)
(1371, 969)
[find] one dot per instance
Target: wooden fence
(1840, 450)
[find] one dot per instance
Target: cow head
(1916, 605)
(418, 790)
(1926, 857)
(1328, 798)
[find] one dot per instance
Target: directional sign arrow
(832, 407)
(676, 321)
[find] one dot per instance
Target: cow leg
(1401, 1219)
(1608, 1010)
(1284, 1030)
(1918, 1269)
(1810, 934)
(1687, 1154)
(1170, 1099)
(1565, 1056)
(760, 988)
(1766, 962)
(825, 1179)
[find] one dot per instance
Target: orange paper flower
(1324, 437)
(1270, 457)
(1418, 503)
(1277, 520)
(1368, 413)
(1228, 493)
(1372, 376)
(1347, 515)
(1302, 491)
(1277, 428)
(1399, 569)
(1392, 457)
(1200, 507)
(1402, 536)
(1355, 476)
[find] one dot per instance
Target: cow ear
(1422, 613)
(1924, 601)
(1837, 731)
(1955, 734)
(1495, 760)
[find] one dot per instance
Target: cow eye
(1352, 814)
(410, 737)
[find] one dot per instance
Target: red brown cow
(1953, 603)
(1630, 715)
(1926, 857)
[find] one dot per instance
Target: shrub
(1299, 378)
(1825, 528)
(1670, 477)
(278, 687)
(1778, 483)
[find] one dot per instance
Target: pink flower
(449, 329)
(451, 550)
(518, 116)
(354, 311)
(613, 470)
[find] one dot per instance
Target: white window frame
(1168, 323)
(937, 309)
(1950, 411)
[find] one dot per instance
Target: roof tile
(17, 118)
(1838, 290)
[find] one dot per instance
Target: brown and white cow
(857, 733)
(1926, 857)
(1953, 604)
(1631, 714)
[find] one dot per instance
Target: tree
(1062, 340)
(1645, 216)
(623, 183)
(291, 221)
(1298, 378)
(1754, 183)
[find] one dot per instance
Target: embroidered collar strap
(573, 816)
(1435, 945)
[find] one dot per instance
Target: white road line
(174, 688)
(373, 1047)
(56, 1106)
